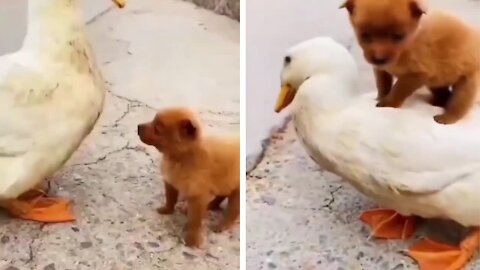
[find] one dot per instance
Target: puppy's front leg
(464, 94)
(384, 83)
(197, 208)
(233, 211)
(171, 195)
(403, 88)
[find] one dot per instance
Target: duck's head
(317, 56)
(119, 3)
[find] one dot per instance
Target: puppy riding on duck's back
(418, 47)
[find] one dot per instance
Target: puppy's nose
(140, 129)
(379, 60)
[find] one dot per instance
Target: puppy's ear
(349, 5)
(417, 8)
(188, 129)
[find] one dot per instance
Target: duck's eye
(398, 37)
(366, 37)
(287, 60)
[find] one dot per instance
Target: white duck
(400, 158)
(51, 95)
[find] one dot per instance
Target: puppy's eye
(366, 37)
(287, 60)
(398, 37)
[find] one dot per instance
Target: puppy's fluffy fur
(401, 39)
(204, 170)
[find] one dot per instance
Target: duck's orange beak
(287, 93)
(120, 3)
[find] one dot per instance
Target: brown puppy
(434, 49)
(204, 170)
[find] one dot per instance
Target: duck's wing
(430, 161)
(15, 140)
(22, 92)
(406, 151)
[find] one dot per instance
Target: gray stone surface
(229, 8)
(153, 54)
(299, 216)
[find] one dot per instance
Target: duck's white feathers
(401, 158)
(51, 94)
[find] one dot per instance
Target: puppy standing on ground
(434, 49)
(204, 170)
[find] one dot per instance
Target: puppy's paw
(388, 103)
(193, 239)
(382, 103)
(445, 119)
(164, 210)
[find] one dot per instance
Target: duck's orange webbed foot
(388, 224)
(431, 255)
(35, 205)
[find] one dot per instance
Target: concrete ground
(299, 216)
(154, 54)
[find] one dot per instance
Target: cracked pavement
(152, 55)
(300, 216)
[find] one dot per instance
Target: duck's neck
(317, 104)
(53, 24)
(335, 95)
